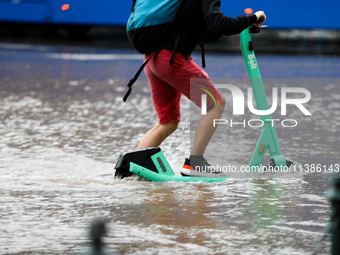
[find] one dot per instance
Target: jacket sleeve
(219, 23)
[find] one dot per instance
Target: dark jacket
(202, 20)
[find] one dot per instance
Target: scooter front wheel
(272, 165)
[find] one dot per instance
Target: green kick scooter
(152, 164)
(268, 138)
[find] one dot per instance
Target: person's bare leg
(155, 136)
(205, 128)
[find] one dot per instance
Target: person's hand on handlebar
(261, 17)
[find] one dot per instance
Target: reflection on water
(62, 128)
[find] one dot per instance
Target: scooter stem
(268, 138)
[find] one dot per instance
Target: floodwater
(63, 125)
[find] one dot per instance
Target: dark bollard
(334, 197)
(332, 229)
(97, 232)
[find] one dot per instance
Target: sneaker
(197, 166)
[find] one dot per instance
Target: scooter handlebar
(256, 30)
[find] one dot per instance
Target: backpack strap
(175, 48)
(201, 43)
(202, 54)
(133, 80)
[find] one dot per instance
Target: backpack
(151, 23)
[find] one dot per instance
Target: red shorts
(169, 82)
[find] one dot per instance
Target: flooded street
(63, 125)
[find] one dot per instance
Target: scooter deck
(159, 177)
(152, 164)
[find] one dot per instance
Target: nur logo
(239, 99)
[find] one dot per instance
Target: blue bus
(288, 14)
